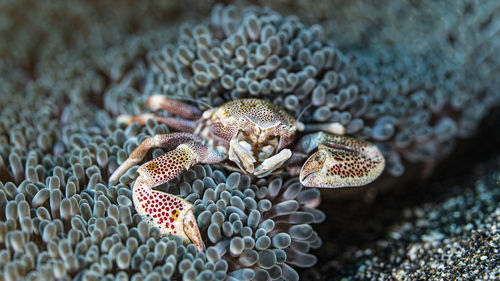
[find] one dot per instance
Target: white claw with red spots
(340, 161)
(171, 214)
(255, 133)
(168, 166)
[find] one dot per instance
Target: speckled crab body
(252, 133)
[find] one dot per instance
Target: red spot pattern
(350, 165)
(163, 208)
(169, 165)
(343, 161)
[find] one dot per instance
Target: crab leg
(187, 112)
(167, 141)
(171, 214)
(241, 154)
(340, 161)
(177, 124)
(156, 102)
(166, 167)
(272, 163)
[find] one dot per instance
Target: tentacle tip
(154, 102)
(300, 126)
(335, 128)
(126, 119)
(112, 182)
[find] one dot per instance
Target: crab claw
(272, 163)
(191, 229)
(342, 161)
(171, 214)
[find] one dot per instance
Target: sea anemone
(59, 219)
(59, 139)
(382, 96)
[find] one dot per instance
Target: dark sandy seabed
(441, 227)
(445, 227)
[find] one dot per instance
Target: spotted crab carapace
(254, 134)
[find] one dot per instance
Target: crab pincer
(171, 214)
(252, 133)
(340, 161)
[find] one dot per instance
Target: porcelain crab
(252, 133)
